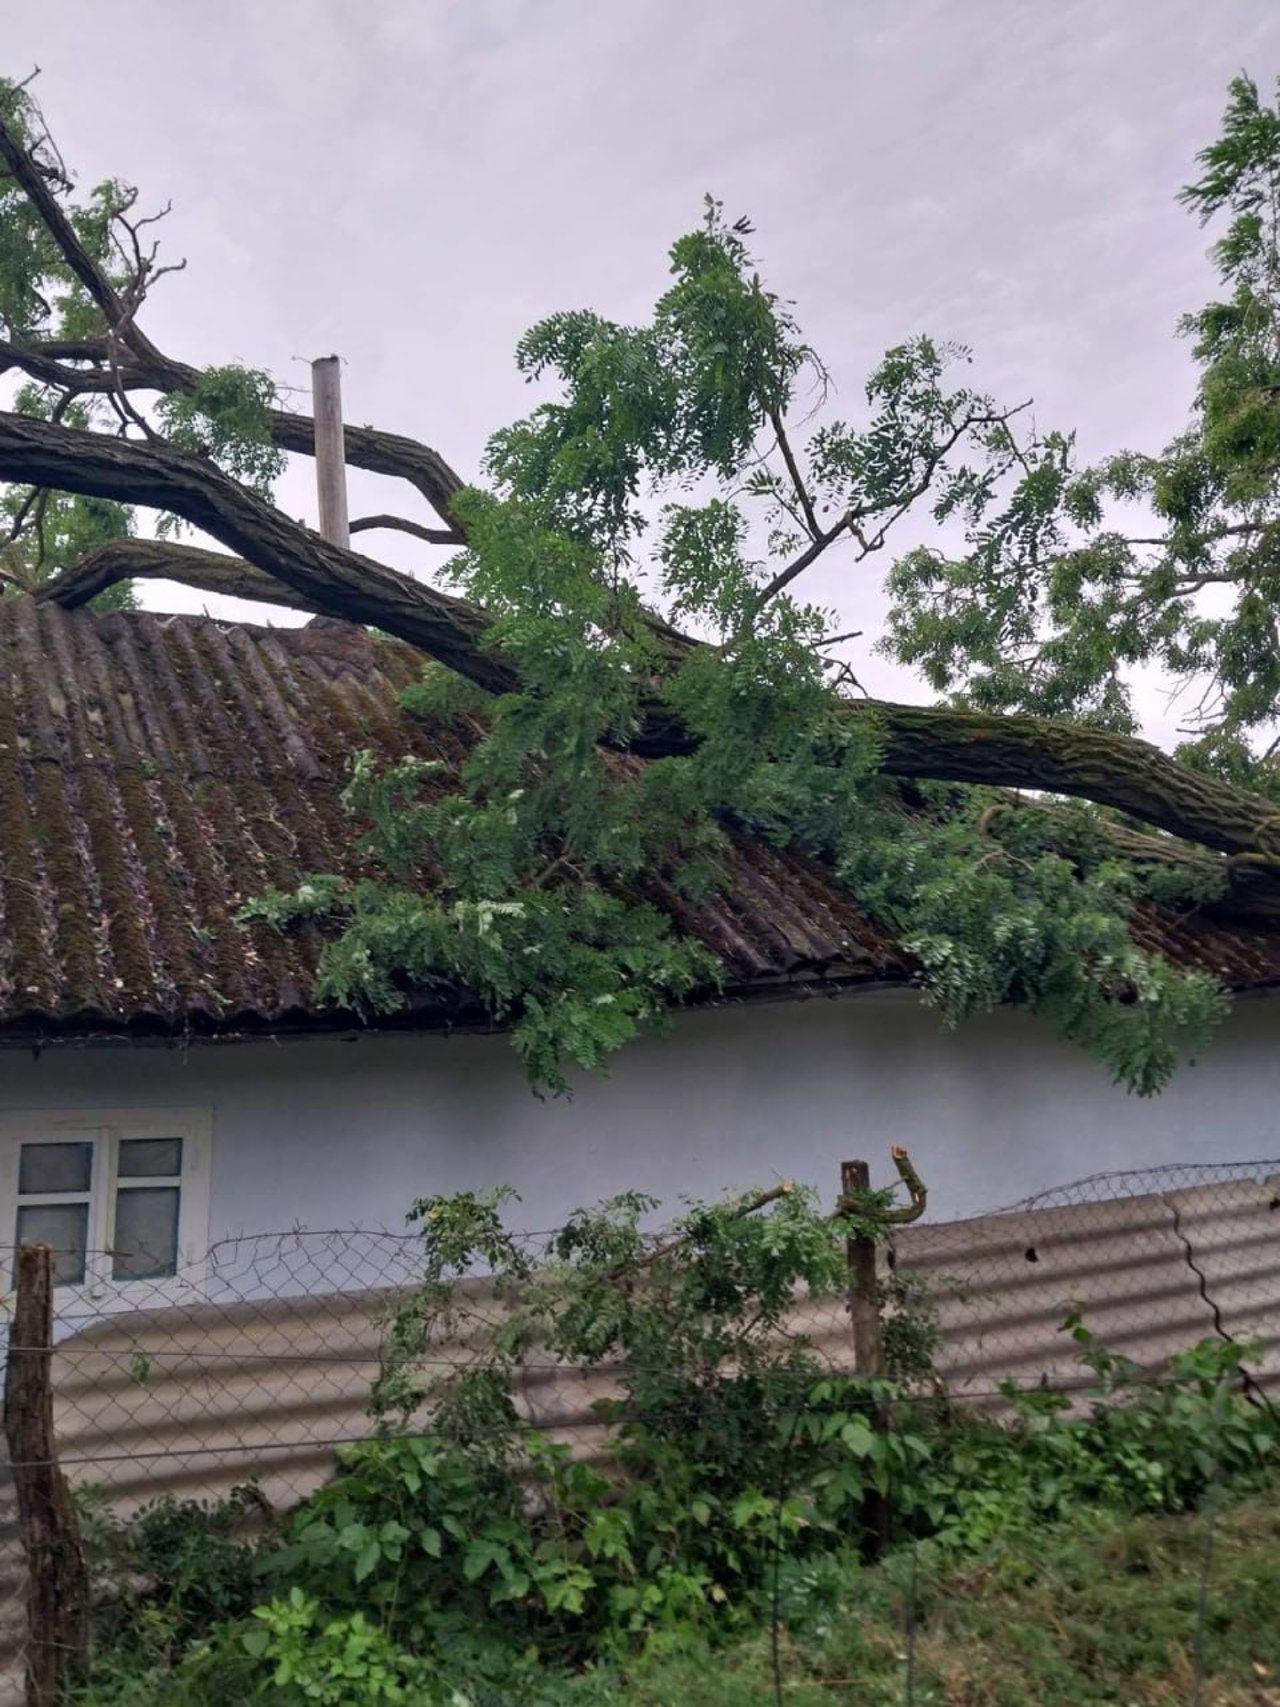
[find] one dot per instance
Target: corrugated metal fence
(265, 1361)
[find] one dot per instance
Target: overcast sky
(410, 183)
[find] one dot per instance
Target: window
(121, 1196)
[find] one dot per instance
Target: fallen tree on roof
(695, 652)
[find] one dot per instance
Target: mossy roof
(156, 772)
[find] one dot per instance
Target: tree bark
(57, 1577)
(157, 559)
(1118, 771)
(342, 583)
(924, 742)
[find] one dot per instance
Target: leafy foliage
(462, 1558)
(176, 1570)
(522, 878)
(225, 416)
(1038, 918)
(1168, 560)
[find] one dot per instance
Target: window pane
(145, 1245)
(142, 1156)
(55, 1167)
(65, 1226)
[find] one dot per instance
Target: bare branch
(401, 524)
(116, 313)
(21, 514)
(38, 363)
(1238, 530)
(793, 470)
(152, 559)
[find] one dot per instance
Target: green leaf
(858, 1438)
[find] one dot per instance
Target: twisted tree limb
(904, 1213)
(402, 524)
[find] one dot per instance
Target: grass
(1104, 1613)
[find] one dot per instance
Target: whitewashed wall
(333, 1133)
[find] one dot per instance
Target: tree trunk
(1129, 775)
(923, 742)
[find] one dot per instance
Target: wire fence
(257, 1363)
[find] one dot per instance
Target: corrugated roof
(156, 772)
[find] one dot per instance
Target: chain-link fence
(255, 1365)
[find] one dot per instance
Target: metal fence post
(57, 1576)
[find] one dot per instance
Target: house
(167, 1081)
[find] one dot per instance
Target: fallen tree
(922, 742)
(695, 655)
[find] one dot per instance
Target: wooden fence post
(868, 1346)
(864, 1290)
(57, 1576)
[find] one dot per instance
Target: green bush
(173, 1572)
(482, 1562)
(1150, 1441)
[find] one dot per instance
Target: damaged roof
(156, 772)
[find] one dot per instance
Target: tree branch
(1130, 776)
(849, 522)
(153, 559)
(343, 583)
(401, 524)
(798, 565)
(793, 469)
(37, 363)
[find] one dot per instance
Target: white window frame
(106, 1129)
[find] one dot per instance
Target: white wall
(334, 1133)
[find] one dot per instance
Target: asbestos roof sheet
(157, 772)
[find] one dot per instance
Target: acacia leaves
(1170, 561)
(679, 398)
(1035, 914)
(665, 486)
(226, 416)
